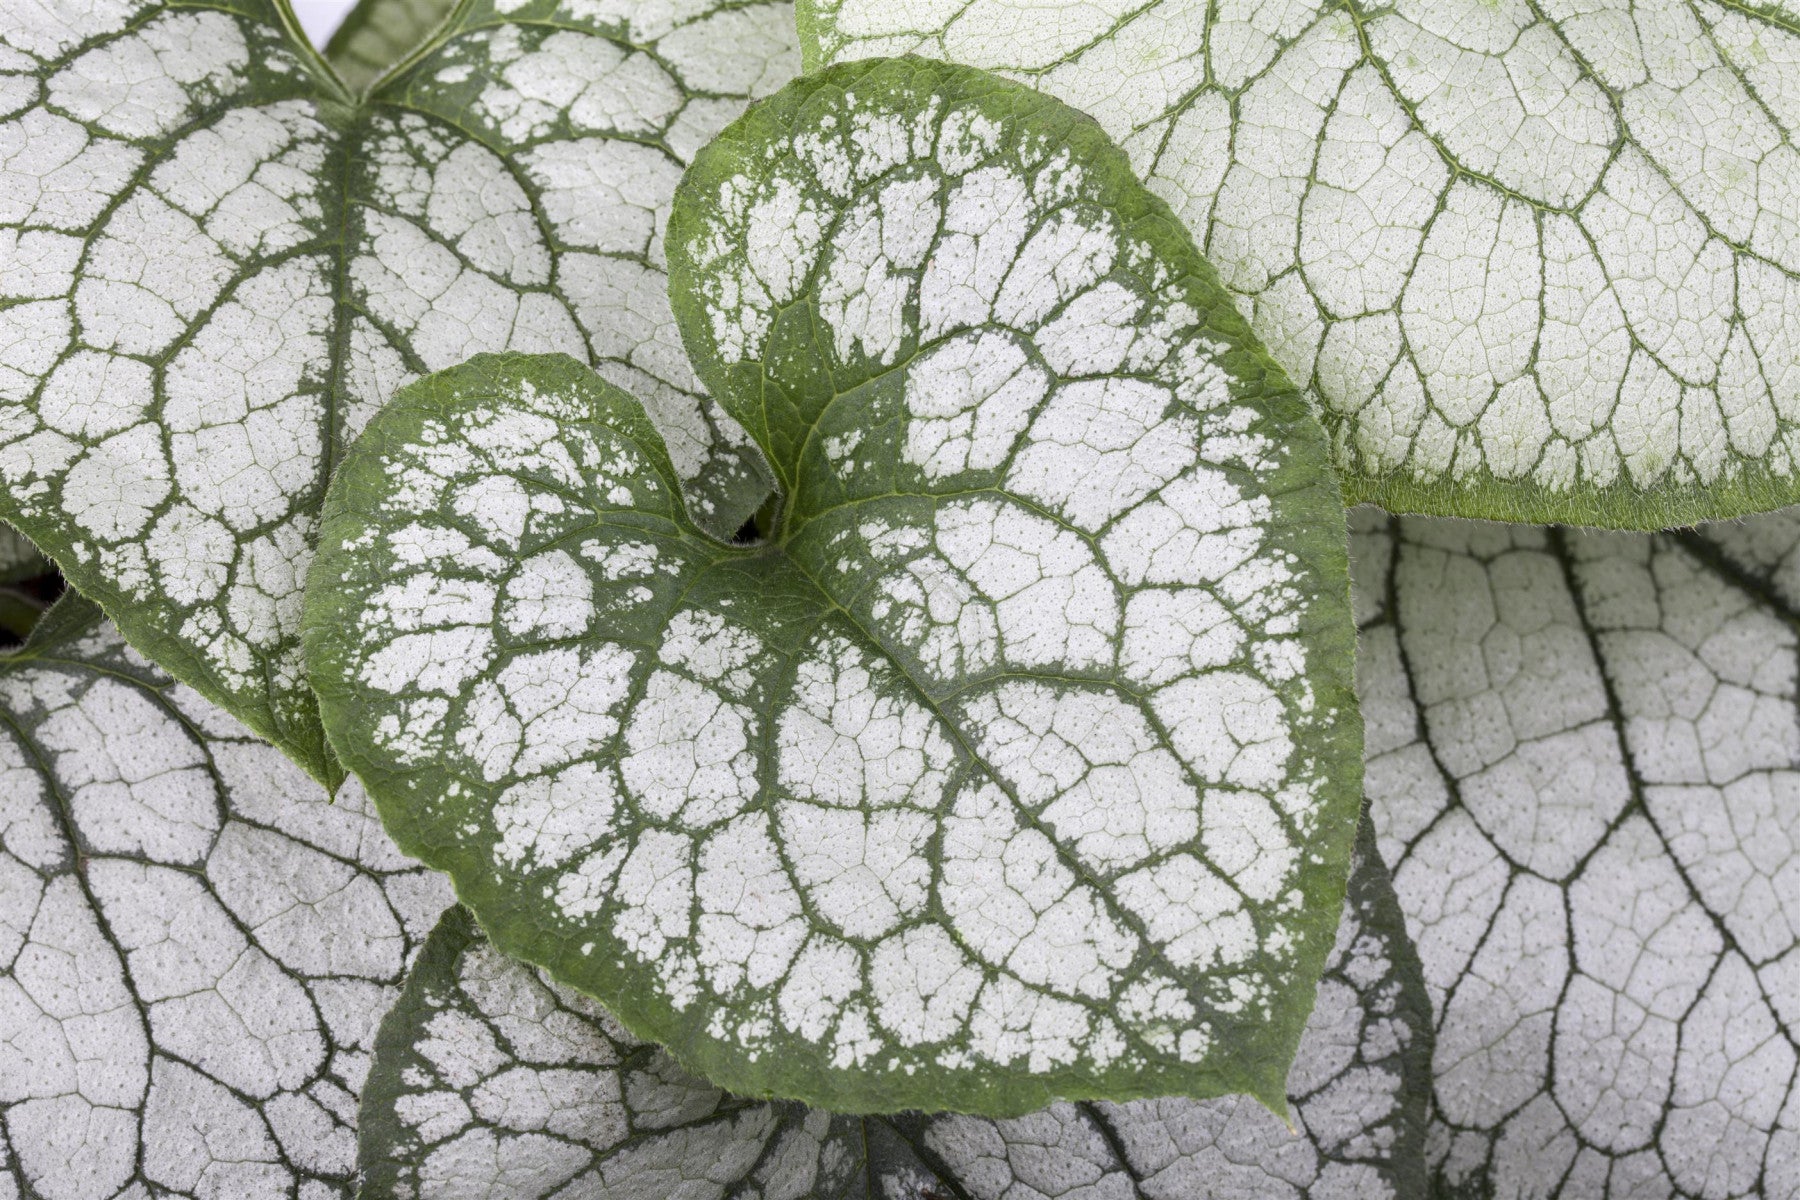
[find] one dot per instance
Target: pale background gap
(320, 18)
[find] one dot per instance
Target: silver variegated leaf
(492, 1080)
(218, 263)
(1584, 765)
(1531, 261)
(196, 944)
(1016, 763)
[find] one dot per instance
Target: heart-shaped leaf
(492, 1078)
(1019, 761)
(196, 944)
(215, 264)
(1530, 261)
(1584, 765)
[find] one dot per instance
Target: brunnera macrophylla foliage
(1019, 761)
(196, 943)
(220, 261)
(1529, 261)
(1584, 767)
(492, 1078)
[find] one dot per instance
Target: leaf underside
(491, 1077)
(1014, 765)
(196, 944)
(219, 266)
(1584, 767)
(1530, 262)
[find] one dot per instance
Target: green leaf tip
(1019, 762)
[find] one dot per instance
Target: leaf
(377, 34)
(1530, 262)
(492, 1077)
(19, 559)
(1583, 757)
(21, 604)
(221, 266)
(883, 811)
(196, 945)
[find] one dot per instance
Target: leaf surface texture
(1014, 764)
(196, 944)
(1583, 757)
(219, 265)
(1530, 261)
(486, 1061)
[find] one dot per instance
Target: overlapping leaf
(1530, 261)
(1584, 765)
(1018, 763)
(218, 264)
(490, 1079)
(377, 35)
(196, 945)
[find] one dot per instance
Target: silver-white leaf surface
(491, 1080)
(196, 944)
(1584, 765)
(217, 262)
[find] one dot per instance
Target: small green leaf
(492, 1078)
(1530, 262)
(219, 263)
(196, 943)
(1021, 760)
(377, 34)
(1584, 767)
